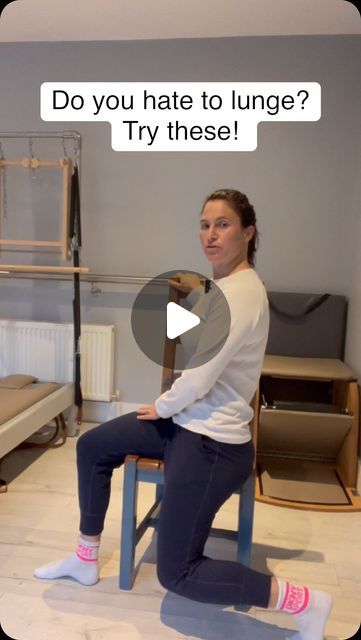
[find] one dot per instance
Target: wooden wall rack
(66, 166)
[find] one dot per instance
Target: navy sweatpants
(200, 475)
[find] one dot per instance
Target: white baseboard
(104, 411)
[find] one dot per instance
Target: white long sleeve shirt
(213, 398)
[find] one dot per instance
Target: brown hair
(245, 211)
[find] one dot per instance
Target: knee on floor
(170, 578)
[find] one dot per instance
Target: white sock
(82, 566)
(310, 608)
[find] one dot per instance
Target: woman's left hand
(147, 412)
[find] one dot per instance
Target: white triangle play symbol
(179, 320)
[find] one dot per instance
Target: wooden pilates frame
(42, 268)
(65, 165)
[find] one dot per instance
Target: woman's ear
(249, 232)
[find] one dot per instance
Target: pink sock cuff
(305, 602)
(296, 599)
(87, 554)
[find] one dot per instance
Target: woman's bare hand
(185, 282)
(147, 412)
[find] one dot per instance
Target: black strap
(75, 235)
(74, 218)
(310, 306)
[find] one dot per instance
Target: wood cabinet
(307, 434)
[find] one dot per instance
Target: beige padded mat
(301, 481)
(14, 401)
(310, 368)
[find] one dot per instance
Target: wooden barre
(35, 163)
(32, 243)
(42, 268)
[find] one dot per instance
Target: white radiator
(45, 350)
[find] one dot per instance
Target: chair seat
(150, 464)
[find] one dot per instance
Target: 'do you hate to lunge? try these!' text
(185, 116)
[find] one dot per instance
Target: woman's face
(224, 240)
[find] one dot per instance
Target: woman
(200, 427)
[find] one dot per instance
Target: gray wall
(140, 209)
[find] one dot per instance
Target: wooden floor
(39, 524)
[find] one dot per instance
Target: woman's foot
(82, 566)
(71, 567)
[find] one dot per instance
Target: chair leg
(245, 521)
(128, 527)
(159, 492)
(245, 527)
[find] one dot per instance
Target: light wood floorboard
(39, 524)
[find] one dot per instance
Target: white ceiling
(44, 20)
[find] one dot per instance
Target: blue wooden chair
(137, 469)
(150, 470)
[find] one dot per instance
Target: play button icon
(179, 320)
(161, 320)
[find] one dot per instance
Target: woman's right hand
(185, 282)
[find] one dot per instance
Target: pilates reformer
(39, 411)
(27, 405)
